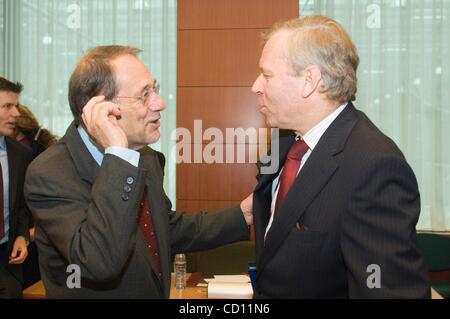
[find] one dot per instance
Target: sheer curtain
(404, 87)
(42, 40)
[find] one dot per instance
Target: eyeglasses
(145, 97)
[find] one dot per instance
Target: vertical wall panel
(219, 47)
(234, 14)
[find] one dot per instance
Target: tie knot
(298, 149)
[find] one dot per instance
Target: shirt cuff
(126, 154)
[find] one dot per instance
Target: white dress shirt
(131, 156)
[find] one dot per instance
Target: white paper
(229, 290)
(230, 287)
(232, 278)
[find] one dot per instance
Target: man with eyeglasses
(97, 196)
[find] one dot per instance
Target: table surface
(192, 291)
(37, 291)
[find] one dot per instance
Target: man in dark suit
(100, 210)
(337, 220)
(14, 216)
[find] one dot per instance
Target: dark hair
(8, 86)
(94, 75)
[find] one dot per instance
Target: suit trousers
(10, 286)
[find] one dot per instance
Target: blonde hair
(321, 41)
(29, 126)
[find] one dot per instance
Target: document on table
(230, 287)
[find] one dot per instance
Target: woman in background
(29, 132)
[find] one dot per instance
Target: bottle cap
(180, 258)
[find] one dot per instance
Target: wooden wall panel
(218, 57)
(220, 107)
(227, 153)
(232, 182)
(219, 45)
(234, 14)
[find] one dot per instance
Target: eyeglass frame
(144, 99)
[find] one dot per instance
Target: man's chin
(153, 137)
(146, 140)
(7, 132)
(269, 123)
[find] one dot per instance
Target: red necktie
(146, 226)
(2, 225)
(290, 170)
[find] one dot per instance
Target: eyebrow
(266, 72)
(148, 86)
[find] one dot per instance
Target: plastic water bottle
(180, 271)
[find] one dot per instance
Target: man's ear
(313, 77)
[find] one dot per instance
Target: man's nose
(157, 104)
(14, 112)
(257, 87)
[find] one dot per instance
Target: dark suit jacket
(19, 156)
(356, 202)
(85, 216)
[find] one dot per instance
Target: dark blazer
(87, 215)
(19, 156)
(354, 204)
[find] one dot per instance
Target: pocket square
(299, 226)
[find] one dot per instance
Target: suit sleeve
(205, 230)
(378, 239)
(93, 228)
(23, 213)
(202, 230)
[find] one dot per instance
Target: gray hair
(323, 42)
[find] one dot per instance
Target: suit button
(127, 189)
(130, 180)
(125, 197)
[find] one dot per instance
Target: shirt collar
(95, 150)
(313, 136)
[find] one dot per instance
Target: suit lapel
(85, 164)
(314, 176)
(263, 190)
(155, 194)
(142, 248)
(14, 162)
